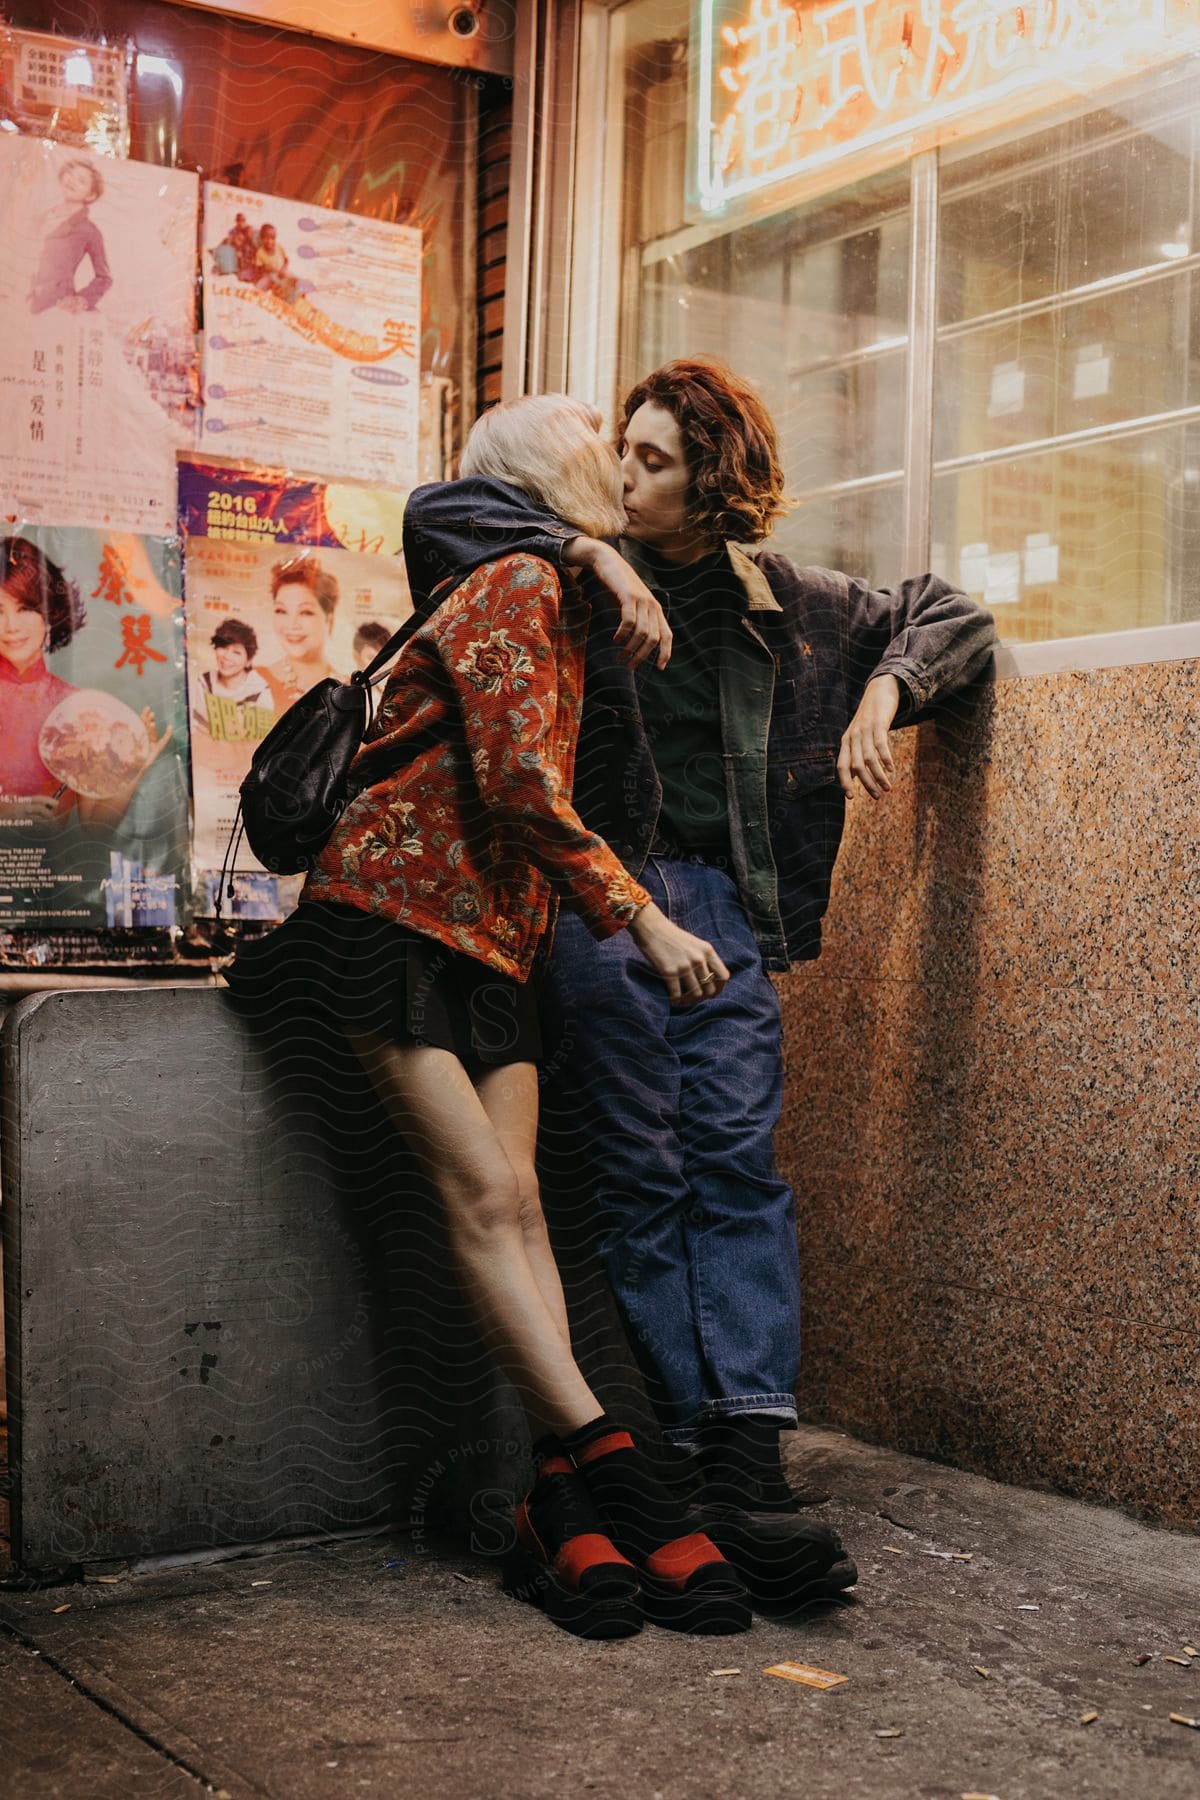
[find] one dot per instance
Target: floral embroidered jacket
(462, 826)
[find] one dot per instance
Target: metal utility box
(230, 1312)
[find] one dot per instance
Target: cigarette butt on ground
(726, 1671)
(1088, 1718)
(980, 1670)
(893, 1551)
(892, 1731)
(65, 1608)
(1182, 1719)
(803, 1672)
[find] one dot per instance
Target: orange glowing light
(783, 89)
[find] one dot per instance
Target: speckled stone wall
(993, 1115)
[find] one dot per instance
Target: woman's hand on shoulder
(643, 630)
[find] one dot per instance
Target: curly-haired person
(304, 601)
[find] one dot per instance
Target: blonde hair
(550, 446)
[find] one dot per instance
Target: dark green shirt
(681, 704)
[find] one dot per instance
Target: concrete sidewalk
(341, 1670)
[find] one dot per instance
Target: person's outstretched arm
(452, 527)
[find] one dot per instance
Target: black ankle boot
(754, 1517)
(741, 1466)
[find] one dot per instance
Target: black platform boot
(756, 1519)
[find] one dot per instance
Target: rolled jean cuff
(764, 1406)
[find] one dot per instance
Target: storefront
(955, 243)
(254, 292)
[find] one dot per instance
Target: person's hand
(157, 744)
(866, 753)
(38, 808)
(691, 968)
(643, 630)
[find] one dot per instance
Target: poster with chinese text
(65, 88)
(97, 346)
(253, 505)
(275, 603)
(311, 338)
(93, 772)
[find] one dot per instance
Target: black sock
(559, 1520)
(641, 1513)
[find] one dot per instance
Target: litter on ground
(805, 1673)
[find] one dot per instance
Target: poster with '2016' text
(288, 582)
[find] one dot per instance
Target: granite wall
(993, 1118)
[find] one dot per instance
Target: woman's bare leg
(510, 1099)
(434, 1103)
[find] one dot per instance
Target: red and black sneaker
(565, 1563)
(687, 1584)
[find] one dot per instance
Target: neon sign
(785, 90)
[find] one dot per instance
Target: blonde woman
(419, 930)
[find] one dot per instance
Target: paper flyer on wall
(93, 772)
(311, 337)
(275, 603)
(65, 88)
(97, 343)
(253, 505)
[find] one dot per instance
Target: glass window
(1067, 421)
(1065, 409)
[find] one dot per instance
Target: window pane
(845, 421)
(1075, 250)
(1075, 541)
(1092, 363)
(860, 533)
(1086, 201)
(810, 303)
(812, 307)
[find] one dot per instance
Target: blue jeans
(678, 1107)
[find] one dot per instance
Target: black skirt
(366, 972)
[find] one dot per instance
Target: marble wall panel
(993, 1115)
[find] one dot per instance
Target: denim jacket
(808, 642)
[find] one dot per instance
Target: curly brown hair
(730, 443)
(39, 585)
